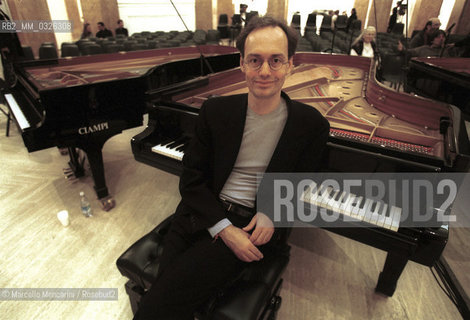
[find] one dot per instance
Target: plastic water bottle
(85, 205)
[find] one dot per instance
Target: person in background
(86, 31)
(243, 8)
(392, 21)
(364, 45)
(217, 230)
(120, 29)
(422, 37)
(103, 32)
(333, 19)
(434, 49)
(351, 18)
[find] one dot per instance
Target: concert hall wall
(104, 10)
(31, 10)
(208, 11)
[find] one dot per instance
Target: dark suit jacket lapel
(233, 127)
(292, 132)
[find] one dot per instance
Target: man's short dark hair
(435, 34)
(101, 24)
(119, 21)
(263, 22)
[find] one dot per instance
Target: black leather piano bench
(252, 295)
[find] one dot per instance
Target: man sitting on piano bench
(216, 230)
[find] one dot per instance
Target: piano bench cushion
(140, 261)
(244, 298)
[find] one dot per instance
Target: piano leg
(95, 159)
(388, 278)
(75, 163)
(8, 115)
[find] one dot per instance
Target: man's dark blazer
(213, 151)
(104, 33)
(122, 31)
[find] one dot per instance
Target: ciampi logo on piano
(93, 128)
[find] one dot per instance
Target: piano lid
(457, 66)
(76, 71)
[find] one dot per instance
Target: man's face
(100, 27)
(121, 24)
(438, 41)
(264, 44)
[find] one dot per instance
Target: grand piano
(81, 102)
(373, 129)
(443, 79)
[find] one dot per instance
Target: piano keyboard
(359, 208)
(17, 113)
(404, 146)
(172, 149)
(383, 142)
(349, 134)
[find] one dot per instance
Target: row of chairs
(311, 25)
(231, 31)
(138, 41)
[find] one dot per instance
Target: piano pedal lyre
(69, 175)
(63, 151)
(107, 203)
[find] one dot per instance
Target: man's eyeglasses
(274, 63)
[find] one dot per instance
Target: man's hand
(264, 229)
(238, 241)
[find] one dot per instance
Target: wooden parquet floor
(329, 277)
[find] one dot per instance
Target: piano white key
(396, 220)
(382, 216)
(364, 210)
(354, 209)
(373, 207)
(325, 197)
(370, 210)
(346, 204)
(337, 204)
(329, 204)
(388, 223)
(17, 113)
(376, 213)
